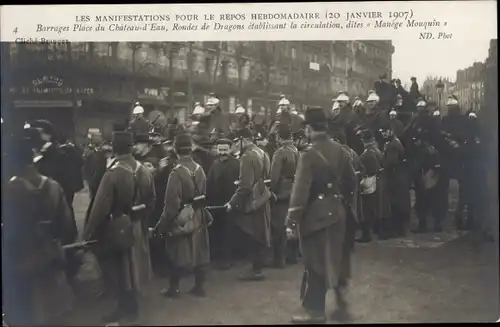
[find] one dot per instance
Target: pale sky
(421, 58)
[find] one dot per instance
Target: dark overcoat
(283, 166)
(254, 170)
(323, 249)
(186, 251)
(37, 299)
(115, 194)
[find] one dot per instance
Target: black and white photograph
(249, 182)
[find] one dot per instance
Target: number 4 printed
(15, 30)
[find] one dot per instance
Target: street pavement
(445, 277)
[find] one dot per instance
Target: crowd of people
(169, 200)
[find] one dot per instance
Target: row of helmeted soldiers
(233, 169)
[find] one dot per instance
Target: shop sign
(49, 84)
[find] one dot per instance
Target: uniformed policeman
(250, 203)
(283, 168)
(322, 200)
(125, 184)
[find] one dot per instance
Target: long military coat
(254, 169)
(33, 300)
(323, 249)
(115, 193)
(192, 250)
(283, 168)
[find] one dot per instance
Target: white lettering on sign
(48, 80)
(151, 92)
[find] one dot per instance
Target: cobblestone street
(446, 277)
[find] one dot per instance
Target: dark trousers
(127, 297)
(370, 214)
(176, 275)
(470, 196)
(279, 243)
(313, 291)
(221, 238)
(256, 252)
(400, 219)
(432, 202)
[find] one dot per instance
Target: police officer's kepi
(123, 139)
(284, 132)
(224, 141)
(142, 138)
(366, 135)
(183, 142)
(244, 133)
(315, 116)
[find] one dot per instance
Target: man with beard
(322, 196)
(127, 188)
(139, 124)
(397, 185)
(283, 168)
(429, 176)
(250, 203)
(61, 162)
(220, 187)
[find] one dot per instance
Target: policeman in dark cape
(202, 149)
(322, 234)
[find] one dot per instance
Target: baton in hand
(215, 207)
(78, 245)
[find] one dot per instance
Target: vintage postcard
(250, 163)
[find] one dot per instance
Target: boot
(365, 236)
(173, 290)
(309, 317)
(199, 284)
(341, 314)
(252, 276)
(422, 226)
(113, 317)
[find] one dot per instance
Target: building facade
(89, 85)
(438, 95)
(470, 87)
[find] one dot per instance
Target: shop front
(47, 96)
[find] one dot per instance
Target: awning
(44, 104)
